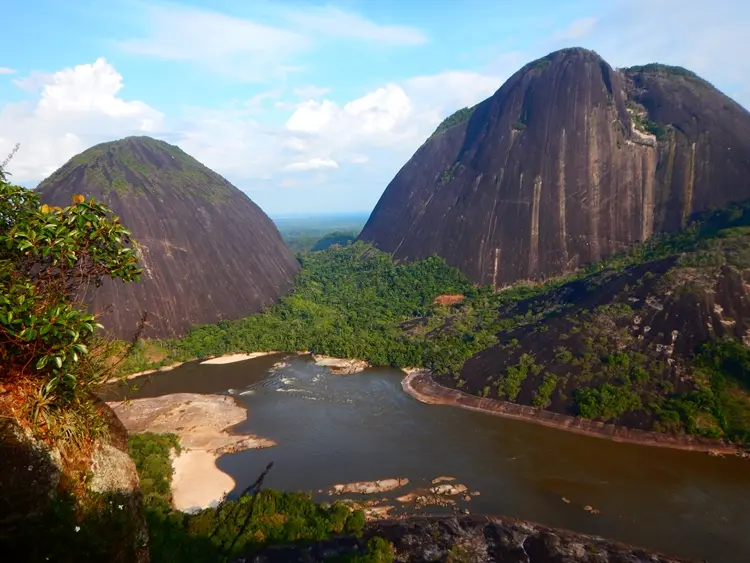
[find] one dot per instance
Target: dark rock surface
(569, 161)
(208, 251)
(80, 503)
(471, 539)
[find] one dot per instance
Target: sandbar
(232, 358)
(202, 423)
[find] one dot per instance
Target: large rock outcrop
(470, 539)
(81, 502)
(208, 252)
(568, 162)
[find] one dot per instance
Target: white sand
(232, 358)
(197, 483)
(201, 422)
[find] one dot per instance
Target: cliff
(208, 252)
(568, 162)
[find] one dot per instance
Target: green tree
(48, 257)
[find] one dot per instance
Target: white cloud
(312, 164)
(246, 49)
(334, 22)
(312, 116)
(221, 43)
(6, 70)
(81, 106)
(32, 82)
(453, 90)
(578, 29)
(77, 108)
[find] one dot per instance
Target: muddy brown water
(337, 429)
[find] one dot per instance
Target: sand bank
(202, 423)
(232, 358)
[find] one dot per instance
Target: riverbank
(202, 424)
(419, 385)
(169, 367)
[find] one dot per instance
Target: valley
(538, 339)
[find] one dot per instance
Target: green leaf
(58, 361)
(42, 362)
(51, 385)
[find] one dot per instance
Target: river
(342, 428)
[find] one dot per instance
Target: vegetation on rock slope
(53, 427)
(654, 338)
(456, 118)
(125, 167)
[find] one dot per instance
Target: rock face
(208, 252)
(83, 504)
(569, 161)
(471, 540)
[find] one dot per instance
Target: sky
(312, 107)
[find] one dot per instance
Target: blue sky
(312, 107)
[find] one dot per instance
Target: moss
(136, 165)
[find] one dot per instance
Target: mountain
(208, 252)
(568, 162)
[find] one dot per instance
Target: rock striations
(208, 252)
(568, 162)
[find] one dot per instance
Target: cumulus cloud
(80, 106)
(77, 107)
(6, 70)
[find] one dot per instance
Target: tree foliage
(348, 302)
(49, 258)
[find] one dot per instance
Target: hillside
(567, 163)
(654, 339)
(208, 252)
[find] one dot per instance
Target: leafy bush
(48, 255)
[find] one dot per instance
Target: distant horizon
(317, 215)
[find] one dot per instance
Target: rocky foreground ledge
(469, 539)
